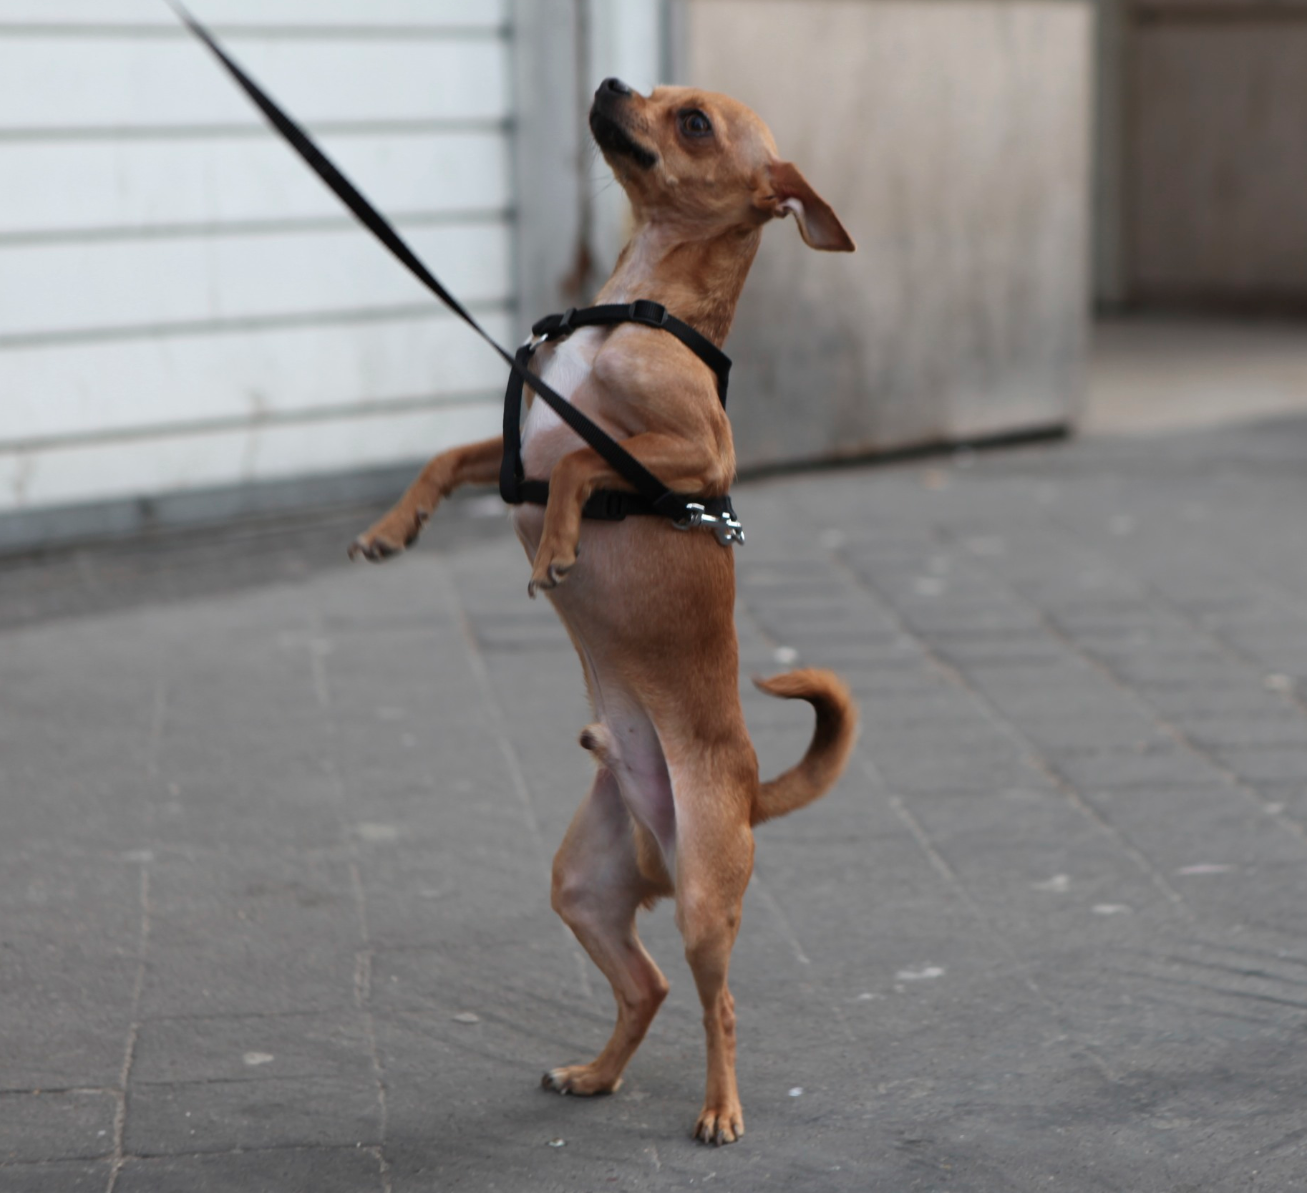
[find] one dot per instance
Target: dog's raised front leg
(679, 463)
(597, 888)
(472, 464)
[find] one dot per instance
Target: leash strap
(648, 486)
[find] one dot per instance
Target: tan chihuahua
(649, 609)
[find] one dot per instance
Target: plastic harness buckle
(652, 314)
(612, 507)
(553, 327)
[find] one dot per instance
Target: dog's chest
(545, 437)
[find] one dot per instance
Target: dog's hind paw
(720, 1125)
(582, 1080)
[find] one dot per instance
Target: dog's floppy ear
(782, 190)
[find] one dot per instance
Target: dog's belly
(645, 606)
(594, 603)
(635, 756)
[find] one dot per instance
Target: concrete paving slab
(186, 1118)
(325, 1170)
(251, 1048)
(231, 934)
(70, 1176)
(56, 1125)
(67, 968)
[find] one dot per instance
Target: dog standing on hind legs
(650, 610)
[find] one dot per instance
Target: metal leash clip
(728, 529)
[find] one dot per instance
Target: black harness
(651, 496)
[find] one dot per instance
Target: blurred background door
(1214, 157)
(1200, 263)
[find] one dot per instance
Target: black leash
(684, 510)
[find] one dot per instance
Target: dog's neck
(698, 279)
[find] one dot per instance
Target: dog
(650, 610)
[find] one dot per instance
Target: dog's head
(705, 159)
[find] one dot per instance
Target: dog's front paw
(583, 1080)
(720, 1124)
(551, 568)
(397, 530)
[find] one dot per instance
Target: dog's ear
(783, 190)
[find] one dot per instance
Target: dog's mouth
(612, 138)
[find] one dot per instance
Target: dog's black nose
(615, 85)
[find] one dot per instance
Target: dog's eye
(695, 124)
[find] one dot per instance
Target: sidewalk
(275, 834)
(1159, 373)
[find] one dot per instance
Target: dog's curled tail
(829, 750)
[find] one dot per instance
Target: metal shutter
(181, 304)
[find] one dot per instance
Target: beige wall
(953, 139)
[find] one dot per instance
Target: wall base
(28, 531)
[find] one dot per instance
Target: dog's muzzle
(609, 128)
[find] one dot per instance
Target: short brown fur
(650, 609)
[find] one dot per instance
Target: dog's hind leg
(714, 863)
(598, 885)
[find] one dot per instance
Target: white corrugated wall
(182, 305)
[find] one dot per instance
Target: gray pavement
(275, 831)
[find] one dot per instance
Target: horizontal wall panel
(104, 471)
(309, 13)
(140, 386)
(158, 81)
(51, 187)
(83, 287)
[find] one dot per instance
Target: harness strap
(651, 314)
(616, 505)
(609, 505)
